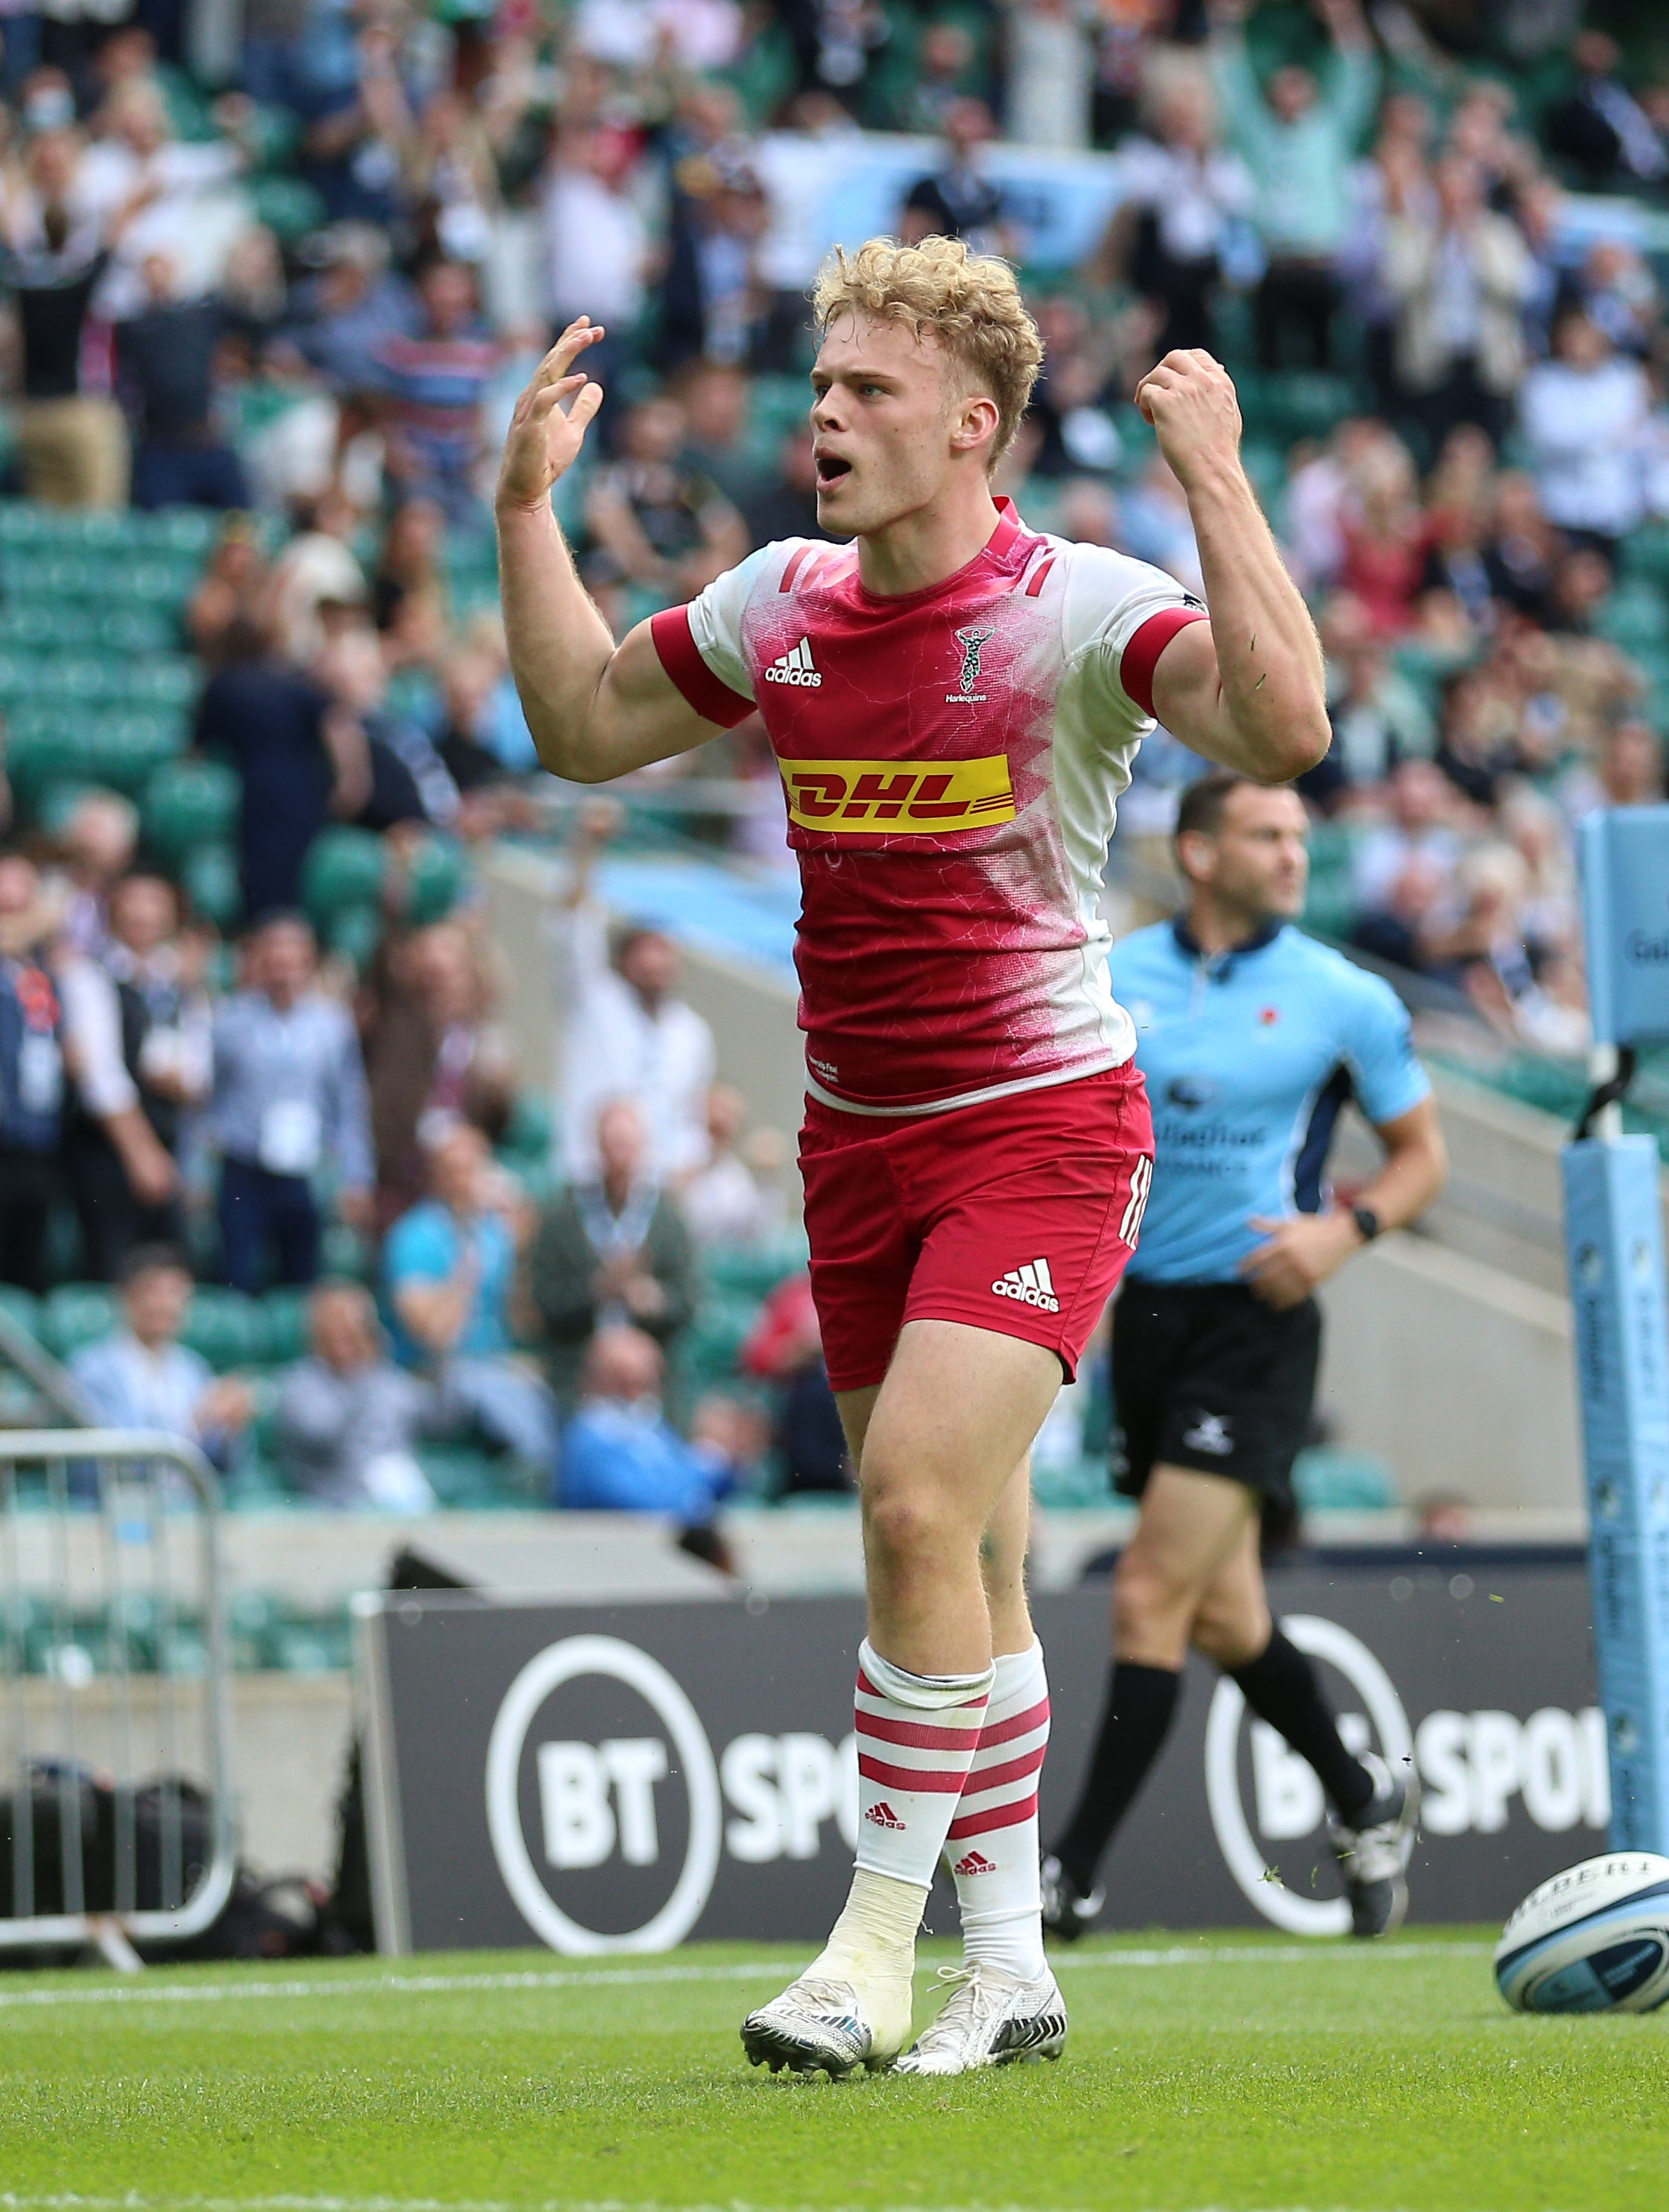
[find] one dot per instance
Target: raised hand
(1189, 400)
(545, 437)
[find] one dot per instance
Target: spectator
(620, 1453)
(958, 200)
(344, 316)
(785, 1351)
(1599, 126)
(407, 780)
(1186, 194)
(1584, 415)
(433, 1059)
(434, 382)
(299, 761)
(1628, 771)
(1521, 549)
(289, 1100)
(625, 1033)
(167, 354)
(597, 249)
(142, 1376)
(450, 1267)
(138, 1027)
(349, 1418)
(184, 209)
(661, 527)
(787, 506)
(1049, 74)
(725, 1202)
(361, 132)
(1298, 137)
(97, 841)
(1460, 275)
(1403, 873)
(31, 1076)
(72, 441)
(611, 1248)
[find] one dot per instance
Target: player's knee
(902, 1525)
(1146, 1594)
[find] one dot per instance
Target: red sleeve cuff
(1141, 656)
(680, 657)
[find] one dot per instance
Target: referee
(1252, 1038)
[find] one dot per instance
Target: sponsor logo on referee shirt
(853, 797)
(796, 666)
(1029, 1285)
(1210, 1433)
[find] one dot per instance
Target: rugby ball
(1594, 1939)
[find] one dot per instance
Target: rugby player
(954, 700)
(1252, 1037)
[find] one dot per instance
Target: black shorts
(1205, 1375)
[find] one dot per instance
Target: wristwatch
(1367, 1221)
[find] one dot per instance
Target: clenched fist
(545, 437)
(1189, 400)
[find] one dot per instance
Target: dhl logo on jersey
(899, 796)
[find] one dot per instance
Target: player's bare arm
(1302, 1250)
(596, 709)
(1246, 690)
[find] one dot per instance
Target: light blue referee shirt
(1249, 1058)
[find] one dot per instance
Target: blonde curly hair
(970, 301)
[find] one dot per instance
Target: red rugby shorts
(1016, 1216)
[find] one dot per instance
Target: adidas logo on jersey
(795, 667)
(884, 1816)
(1030, 1284)
(974, 1863)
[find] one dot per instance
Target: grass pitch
(1234, 2073)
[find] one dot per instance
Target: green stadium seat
(435, 877)
(135, 630)
(706, 1353)
(753, 1271)
(344, 1252)
(208, 876)
(1636, 615)
(23, 1307)
(289, 208)
(189, 803)
(284, 1314)
(532, 1130)
(226, 1327)
(354, 933)
(1329, 1481)
(344, 868)
(76, 1314)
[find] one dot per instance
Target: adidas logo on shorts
(974, 1863)
(795, 667)
(884, 1817)
(1030, 1284)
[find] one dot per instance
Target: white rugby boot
(992, 2019)
(1372, 1857)
(824, 2025)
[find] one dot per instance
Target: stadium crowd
(295, 276)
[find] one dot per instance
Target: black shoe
(1372, 1858)
(1068, 1911)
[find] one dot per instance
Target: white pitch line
(652, 1976)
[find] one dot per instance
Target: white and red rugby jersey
(952, 760)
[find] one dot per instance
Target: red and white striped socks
(992, 1846)
(916, 1736)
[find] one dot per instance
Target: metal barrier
(115, 1661)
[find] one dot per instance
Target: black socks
(1141, 1702)
(1281, 1687)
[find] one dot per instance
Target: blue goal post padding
(1624, 856)
(1614, 1245)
